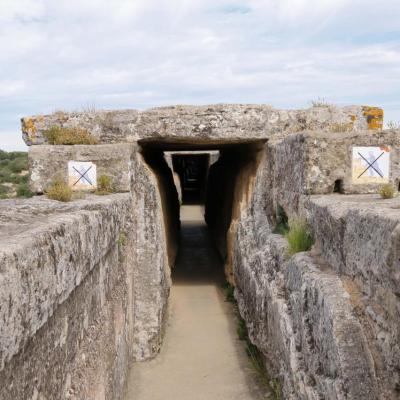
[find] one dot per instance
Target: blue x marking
(83, 176)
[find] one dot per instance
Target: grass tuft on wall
(299, 236)
(68, 136)
(59, 191)
(387, 191)
(104, 185)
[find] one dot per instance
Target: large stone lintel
(223, 121)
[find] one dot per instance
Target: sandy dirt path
(201, 358)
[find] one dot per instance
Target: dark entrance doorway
(192, 170)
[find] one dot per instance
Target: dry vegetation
(393, 125)
(104, 185)
(320, 102)
(68, 136)
(387, 191)
(59, 190)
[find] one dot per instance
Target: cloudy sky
(67, 54)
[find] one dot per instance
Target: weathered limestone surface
(66, 301)
(223, 121)
(153, 259)
(298, 312)
(48, 162)
(359, 236)
(84, 286)
(310, 163)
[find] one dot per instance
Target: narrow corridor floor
(202, 357)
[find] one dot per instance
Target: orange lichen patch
(374, 116)
(353, 117)
(28, 126)
(385, 148)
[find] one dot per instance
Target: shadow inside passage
(202, 356)
(198, 261)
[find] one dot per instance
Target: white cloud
(10, 88)
(21, 9)
(124, 53)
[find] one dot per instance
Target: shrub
(104, 185)
(299, 236)
(23, 190)
(386, 191)
(59, 190)
(5, 175)
(18, 164)
(12, 155)
(68, 136)
(4, 192)
(12, 167)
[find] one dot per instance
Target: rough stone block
(359, 236)
(65, 306)
(49, 162)
(302, 320)
(316, 162)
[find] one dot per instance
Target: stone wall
(66, 301)
(155, 254)
(359, 236)
(84, 285)
(49, 162)
(325, 321)
(298, 312)
(311, 162)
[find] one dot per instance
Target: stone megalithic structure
(84, 285)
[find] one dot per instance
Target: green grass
(122, 239)
(104, 185)
(229, 292)
(271, 385)
(299, 236)
(14, 175)
(241, 329)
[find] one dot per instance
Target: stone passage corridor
(201, 358)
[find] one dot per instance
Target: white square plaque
(82, 175)
(371, 165)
